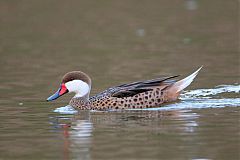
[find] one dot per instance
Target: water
(118, 42)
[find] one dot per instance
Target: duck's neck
(82, 103)
(81, 90)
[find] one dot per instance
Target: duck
(135, 95)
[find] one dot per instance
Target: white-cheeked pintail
(141, 94)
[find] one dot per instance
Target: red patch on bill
(63, 89)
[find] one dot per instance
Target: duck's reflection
(77, 137)
(77, 129)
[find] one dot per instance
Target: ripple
(211, 92)
(65, 110)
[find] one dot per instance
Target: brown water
(116, 42)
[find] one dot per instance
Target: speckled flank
(142, 100)
(147, 99)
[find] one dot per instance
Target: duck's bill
(61, 91)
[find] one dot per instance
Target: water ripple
(211, 92)
(65, 110)
(204, 98)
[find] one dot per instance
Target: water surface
(117, 42)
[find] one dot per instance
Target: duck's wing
(129, 92)
(131, 89)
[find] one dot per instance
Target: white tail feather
(182, 84)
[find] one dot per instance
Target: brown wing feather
(131, 89)
(129, 92)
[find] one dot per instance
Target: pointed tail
(182, 84)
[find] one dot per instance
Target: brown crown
(74, 75)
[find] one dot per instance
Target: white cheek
(79, 87)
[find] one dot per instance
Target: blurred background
(117, 41)
(112, 41)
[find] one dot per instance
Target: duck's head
(75, 81)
